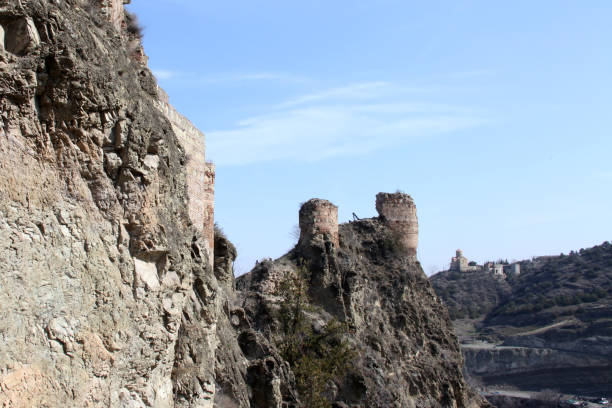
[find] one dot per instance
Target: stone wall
(113, 11)
(513, 269)
(399, 212)
(318, 219)
(208, 198)
(200, 174)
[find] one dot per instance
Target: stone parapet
(318, 219)
(399, 212)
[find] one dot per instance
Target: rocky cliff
(406, 354)
(106, 294)
(109, 295)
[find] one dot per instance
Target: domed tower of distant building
(460, 263)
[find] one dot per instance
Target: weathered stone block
(21, 36)
(1, 38)
(147, 273)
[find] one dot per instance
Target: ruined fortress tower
(399, 212)
(318, 219)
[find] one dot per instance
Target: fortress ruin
(200, 173)
(318, 219)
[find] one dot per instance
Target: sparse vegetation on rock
(316, 356)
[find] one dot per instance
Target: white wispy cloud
(164, 73)
(475, 73)
(198, 79)
(360, 91)
(349, 120)
(264, 76)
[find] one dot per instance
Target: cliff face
(105, 284)
(406, 353)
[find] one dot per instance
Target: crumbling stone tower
(318, 220)
(399, 212)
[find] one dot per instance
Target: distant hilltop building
(460, 263)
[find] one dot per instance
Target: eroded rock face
(103, 275)
(407, 354)
(21, 36)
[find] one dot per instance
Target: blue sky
(495, 117)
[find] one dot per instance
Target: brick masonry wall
(399, 212)
(318, 218)
(208, 229)
(112, 10)
(200, 174)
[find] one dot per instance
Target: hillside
(470, 294)
(550, 325)
(551, 288)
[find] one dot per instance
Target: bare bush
(132, 25)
